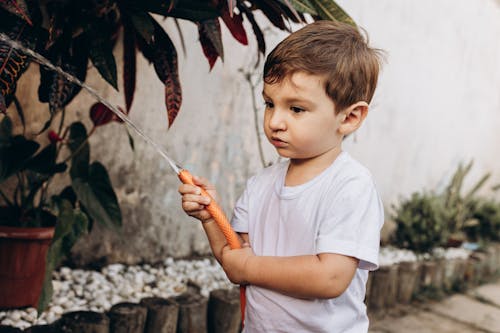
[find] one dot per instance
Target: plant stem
(248, 78)
(61, 123)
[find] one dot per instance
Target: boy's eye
(268, 104)
(296, 109)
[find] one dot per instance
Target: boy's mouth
(277, 142)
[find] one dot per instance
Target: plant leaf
(211, 41)
(101, 51)
(45, 162)
(291, 12)
(80, 150)
(273, 12)
(129, 65)
(100, 114)
(165, 64)
(192, 10)
(15, 154)
(72, 57)
(304, 6)
(259, 36)
(143, 24)
(98, 197)
(12, 62)
(131, 141)
(3, 105)
(330, 10)
(17, 7)
(5, 131)
(235, 25)
(71, 224)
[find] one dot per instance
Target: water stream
(45, 62)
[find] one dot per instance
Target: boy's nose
(277, 120)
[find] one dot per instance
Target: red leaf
(165, 63)
(129, 65)
(173, 97)
(54, 137)
(211, 40)
(101, 114)
(235, 25)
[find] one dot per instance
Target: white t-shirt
(338, 211)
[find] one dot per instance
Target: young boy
(311, 225)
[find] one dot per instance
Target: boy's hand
(234, 263)
(193, 203)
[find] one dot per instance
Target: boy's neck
(301, 171)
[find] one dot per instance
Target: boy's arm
(325, 275)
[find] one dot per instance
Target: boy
(311, 225)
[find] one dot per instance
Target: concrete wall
(438, 104)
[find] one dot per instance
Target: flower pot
(23, 254)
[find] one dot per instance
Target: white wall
(438, 103)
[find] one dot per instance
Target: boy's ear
(352, 117)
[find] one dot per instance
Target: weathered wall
(437, 104)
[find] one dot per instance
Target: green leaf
(131, 140)
(5, 131)
(304, 6)
(98, 197)
(45, 162)
(101, 51)
(71, 225)
(143, 25)
(330, 10)
(13, 156)
(212, 31)
(80, 150)
(192, 10)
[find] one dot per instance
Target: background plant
(428, 220)
(421, 224)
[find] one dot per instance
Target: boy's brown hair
(336, 51)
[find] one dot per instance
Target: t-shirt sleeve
(239, 220)
(352, 223)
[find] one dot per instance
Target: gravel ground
(77, 289)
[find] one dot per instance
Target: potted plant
(72, 34)
(32, 216)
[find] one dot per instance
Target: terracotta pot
(22, 265)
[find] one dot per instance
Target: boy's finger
(202, 181)
(189, 189)
(196, 198)
(192, 207)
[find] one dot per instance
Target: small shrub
(485, 222)
(420, 223)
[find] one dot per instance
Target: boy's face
(300, 120)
